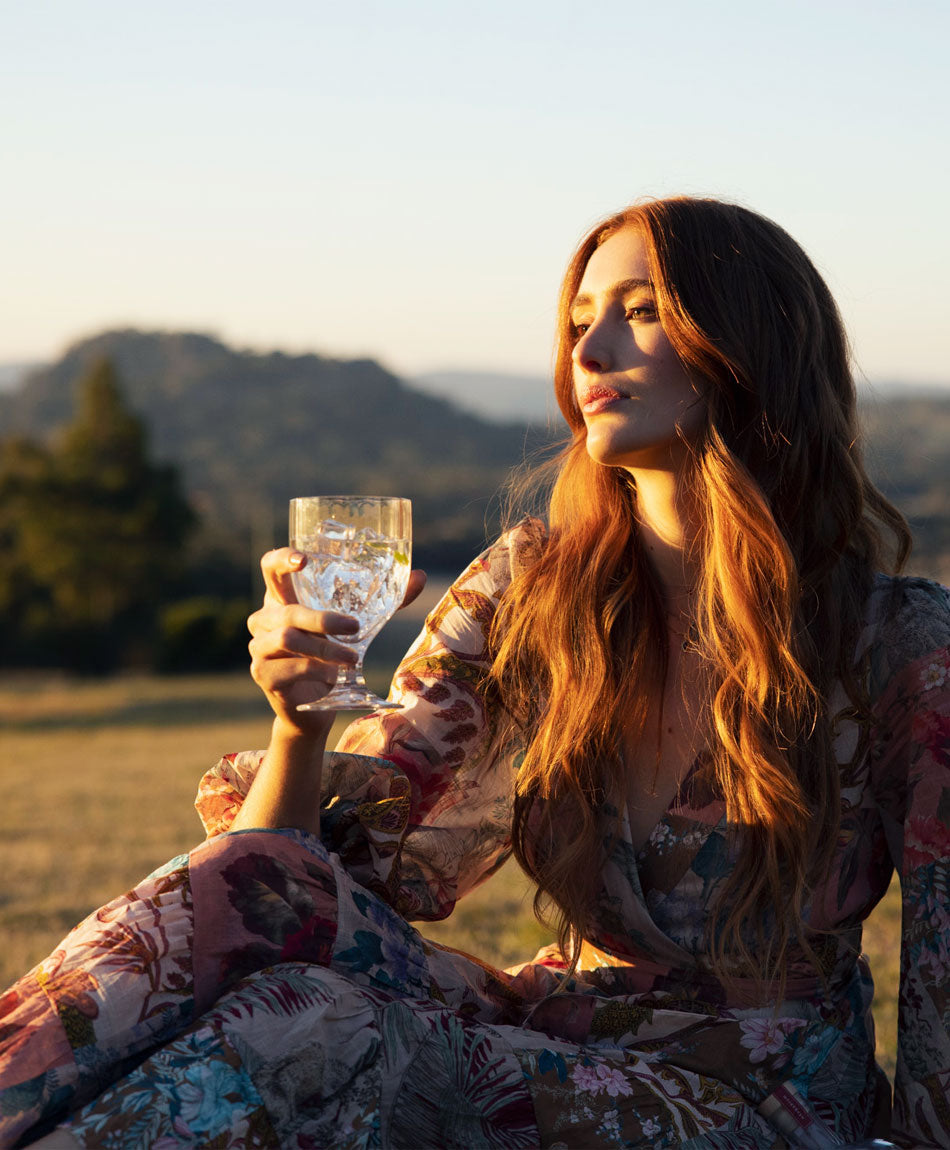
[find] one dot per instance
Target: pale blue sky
(407, 180)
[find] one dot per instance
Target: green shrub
(203, 634)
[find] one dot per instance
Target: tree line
(133, 510)
(207, 443)
(96, 570)
(249, 430)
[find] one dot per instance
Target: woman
(689, 703)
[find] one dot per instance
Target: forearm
(286, 789)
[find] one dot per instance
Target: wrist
(286, 789)
(312, 731)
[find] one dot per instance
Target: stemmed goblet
(358, 550)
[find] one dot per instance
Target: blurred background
(250, 253)
(254, 254)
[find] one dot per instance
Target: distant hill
(908, 456)
(496, 396)
(13, 374)
(908, 448)
(249, 431)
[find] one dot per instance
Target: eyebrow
(617, 289)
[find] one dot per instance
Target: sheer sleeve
(912, 780)
(417, 802)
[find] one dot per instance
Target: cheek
(691, 409)
(693, 416)
(666, 359)
(688, 399)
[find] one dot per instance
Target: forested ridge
(236, 434)
(250, 431)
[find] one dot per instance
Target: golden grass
(882, 945)
(98, 782)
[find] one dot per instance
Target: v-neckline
(677, 800)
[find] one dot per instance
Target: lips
(596, 397)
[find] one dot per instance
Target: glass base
(350, 698)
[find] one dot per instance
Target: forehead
(622, 256)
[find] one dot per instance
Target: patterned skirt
(252, 994)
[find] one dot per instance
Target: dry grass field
(98, 781)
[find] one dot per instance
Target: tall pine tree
(93, 532)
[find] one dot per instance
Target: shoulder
(909, 618)
(511, 555)
(524, 544)
(914, 613)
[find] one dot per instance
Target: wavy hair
(791, 534)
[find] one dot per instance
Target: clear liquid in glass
(356, 568)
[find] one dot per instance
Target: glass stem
(351, 674)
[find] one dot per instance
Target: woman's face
(631, 387)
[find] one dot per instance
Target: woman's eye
(581, 328)
(641, 311)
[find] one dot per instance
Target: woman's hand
(295, 654)
(294, 659)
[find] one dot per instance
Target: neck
(668, 525)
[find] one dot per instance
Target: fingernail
(298, 559)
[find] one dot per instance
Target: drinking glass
(358, 550)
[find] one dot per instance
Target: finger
(277, 567)
(296, 680)
(417, 582)
(284, 642)
(275, 615)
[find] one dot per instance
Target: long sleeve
(911, 771)
(417, 802)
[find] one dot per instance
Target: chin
(654, 456)
(616, 451)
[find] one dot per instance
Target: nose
(590, 352)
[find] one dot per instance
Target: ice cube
(333, 529)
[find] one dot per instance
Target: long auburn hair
(792, 532)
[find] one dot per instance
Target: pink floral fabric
(268, 989)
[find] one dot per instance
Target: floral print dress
(267, 989)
